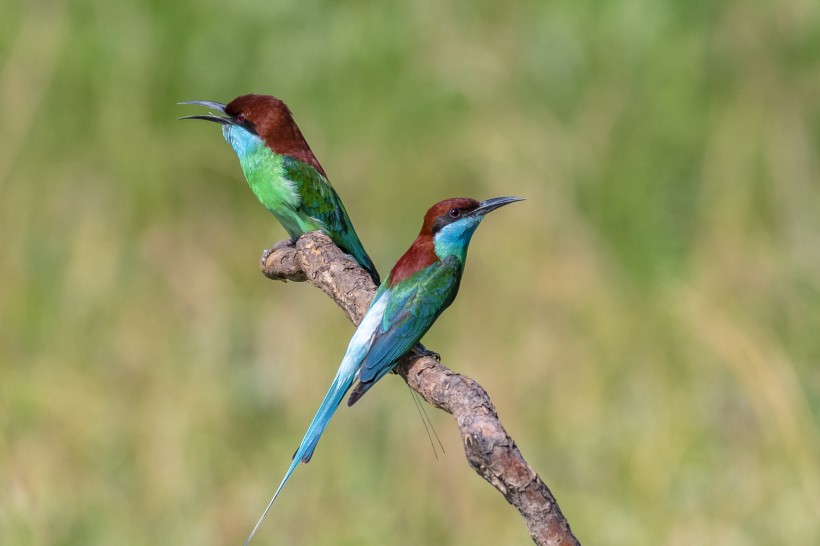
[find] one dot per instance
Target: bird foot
(267, 252)
(421, 351)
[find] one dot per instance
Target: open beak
(211, 117)
(492, 204)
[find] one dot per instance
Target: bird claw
(421, 351)
(267, 252)
(264, 259)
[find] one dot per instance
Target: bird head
(452, 222)
(446, 231)
(251, 120)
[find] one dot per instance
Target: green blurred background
(647, 322)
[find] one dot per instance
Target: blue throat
(453, 239)
(244, 143)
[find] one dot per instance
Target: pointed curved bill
(218, 106)
(492, 204)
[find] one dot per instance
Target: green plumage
(301, 199)
(413, 306)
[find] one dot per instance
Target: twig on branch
(489, 449)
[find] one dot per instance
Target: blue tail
(341, 384)
(348, 371)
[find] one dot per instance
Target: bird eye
(454, 213)
(240, 118)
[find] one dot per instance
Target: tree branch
(489, 449)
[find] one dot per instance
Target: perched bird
(283, 172)
(422, 284)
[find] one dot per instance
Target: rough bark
(489, 449)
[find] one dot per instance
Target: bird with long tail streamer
(283, 172)
(422, 284)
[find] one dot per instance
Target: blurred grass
(649, 317)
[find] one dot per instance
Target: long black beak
(492, 204)
(219, 107)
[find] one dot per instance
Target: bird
(421, 285)
(283, 172)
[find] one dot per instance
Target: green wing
(412, 308)
(320, 202)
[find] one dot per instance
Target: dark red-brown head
(466, 213)
(267, 117)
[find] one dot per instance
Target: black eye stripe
(241, 120)
(448, 218)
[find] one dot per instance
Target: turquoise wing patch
(414, 306)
